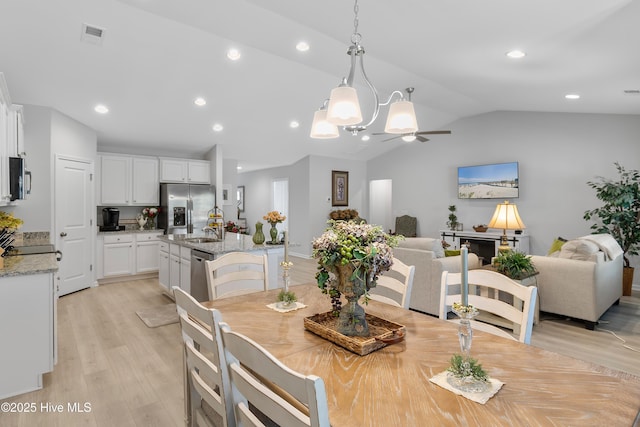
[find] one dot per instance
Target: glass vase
(466, 382)
(274, 233)
(258, 236)
(151, 223)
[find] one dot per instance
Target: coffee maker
(110, 219)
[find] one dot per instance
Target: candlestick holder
(286, 299)
(466, 374)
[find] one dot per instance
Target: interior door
(74, 223)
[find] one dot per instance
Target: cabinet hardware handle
(63, 234)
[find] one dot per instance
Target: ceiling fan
(408, 137)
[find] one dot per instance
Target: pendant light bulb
(401, 118)
(344, 107)
(321, 128)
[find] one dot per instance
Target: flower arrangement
(231, 227)
(274, 217)
(150, 212)
(366, 247)
(7, 220)
(344, 214)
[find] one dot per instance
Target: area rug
(159, 316)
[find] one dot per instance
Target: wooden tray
(381, 332)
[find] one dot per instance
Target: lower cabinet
(174, 267)
(124, 254)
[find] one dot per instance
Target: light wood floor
(131, 374)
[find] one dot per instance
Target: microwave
(17, 175)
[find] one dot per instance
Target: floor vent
(92, 34)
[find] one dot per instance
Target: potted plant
(514, 264)
(453, 219)
(619, 216)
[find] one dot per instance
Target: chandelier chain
(356, 37)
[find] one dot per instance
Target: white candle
(465, 275)
(286, 246)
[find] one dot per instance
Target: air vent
(92, 34)
(632, 92)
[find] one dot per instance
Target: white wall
(557, 155)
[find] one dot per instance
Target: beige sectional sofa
(581, 280)
(427, 255)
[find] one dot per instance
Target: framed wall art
(339, 188)
(240, 198)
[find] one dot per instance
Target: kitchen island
(182, 254)
(28, 300)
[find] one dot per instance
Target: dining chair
(406, 226)
(265, 391)
(207, 388)
(490, 292)
(236, 273)
(394, 286)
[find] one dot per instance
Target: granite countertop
(22, 265)
(233, 242)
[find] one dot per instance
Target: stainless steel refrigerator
(184, 208)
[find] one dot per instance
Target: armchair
(427, 255)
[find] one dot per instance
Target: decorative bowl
(480, 228)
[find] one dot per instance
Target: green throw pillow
(557, 245)
(451, 252)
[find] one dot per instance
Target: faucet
(218, 232)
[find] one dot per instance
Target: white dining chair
(236, 273)
(207, 388)
(394, 286)
(489, 292)
(264, 387)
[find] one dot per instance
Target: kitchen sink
(202, 240)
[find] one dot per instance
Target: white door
(73, 223)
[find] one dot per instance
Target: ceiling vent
(92, 34)
(632, 92)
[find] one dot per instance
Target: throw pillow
(578, 249)
(556, 245)
(451, 252)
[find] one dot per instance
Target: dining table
(391, 386)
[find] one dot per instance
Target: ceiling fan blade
(434, 132)
(379, 133)
(421, 138)
(385, 140)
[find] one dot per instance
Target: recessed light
(233, 54)
(294, 124)
(572, 96)
(217, 127)
(200, 102)
(102, 109)
(238, 167)
(365, 137)
(516, 54)
(302, 46)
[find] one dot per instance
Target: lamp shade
(506, 217)
(344, 107)
(401, 118)
(321, 128)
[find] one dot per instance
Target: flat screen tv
(495, 181)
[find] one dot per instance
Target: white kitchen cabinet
(28, 331)
(185, 170)
(185, 269)
(164, 266)
(147, 246)
(118, 255)
(128, 180)
(174, 271)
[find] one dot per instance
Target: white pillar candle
(465, 275)
(286, 246)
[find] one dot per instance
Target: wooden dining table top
(391, 387)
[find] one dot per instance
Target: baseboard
(116, 279)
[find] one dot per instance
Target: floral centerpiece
(355, 254)
(8, 221)
(150, 214)
(273, 218)
(231, 227)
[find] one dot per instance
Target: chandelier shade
(401, 118)
(344, 107)
(321, 128)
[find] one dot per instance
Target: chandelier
(343, 108)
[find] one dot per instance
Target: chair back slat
(237, 273)
(394, 286)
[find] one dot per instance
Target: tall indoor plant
(619, 216)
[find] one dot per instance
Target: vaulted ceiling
(157, 56)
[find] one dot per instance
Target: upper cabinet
(128, 180)
(11, 139)
(185, 170)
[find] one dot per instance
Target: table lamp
(506, 217)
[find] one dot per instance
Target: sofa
(428, 256)
(582, 279)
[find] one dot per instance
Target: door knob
(63, 234)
